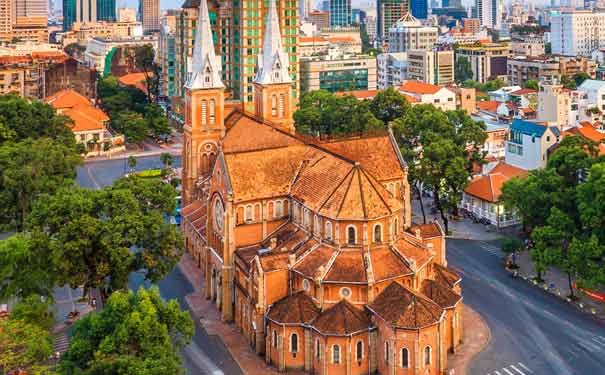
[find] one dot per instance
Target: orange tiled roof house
(307, 245)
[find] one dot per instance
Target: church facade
(307, 245)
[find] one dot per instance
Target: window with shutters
(281, 105)
(273, 105)
(204, 111)
(212, 108)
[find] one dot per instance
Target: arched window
(307, 219)
(316, 227)
(294, 343)
(204, 110)
(405, 358)
(335, 354)
(249, 213)
(279, 209)
(377, 233)
(317, 349)
(359, 350)
(281, 105)
(212, 108)
(274, 339)
(351, 232)
(427, 356)
(386, 351)
(328, 231)
(273, 105)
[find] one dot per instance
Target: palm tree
(132, 163)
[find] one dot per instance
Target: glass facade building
(106, 10)
(344, 80)
(389, 12)
(340, 13)
(69, 14)
(419, 8)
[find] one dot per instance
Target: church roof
(296, 308)
(440, 293)
(342, 319)
(446, 275)
(404, 308)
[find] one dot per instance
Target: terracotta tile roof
(348, 267)
(241, 126)
(411, 99)
(440, 293)
(134, 79)
(488, 105)
(524, 92)
(417, 87)
(588, 132)
(343, 39)
(429, 230)
(404, 308)
(412, 251)
(83, 122)
(311, 39)
(309, 264)
(376, 155)
(274, 261)
(90, 111)
(296, 308)
(387, 264)
(360, 94)
(342, 319)
(489, 187)
(445, 275)
(67, 99)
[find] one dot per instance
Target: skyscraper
(29, 20)
(490, 12)
(389, 12)
(419, 8)
(106, 10)
(78, 11)
(340, 13)
(149, 15)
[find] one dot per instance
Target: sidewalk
(556, 283)
(476, 338)
(208, 314)
(460, 229)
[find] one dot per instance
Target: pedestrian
(94, 303)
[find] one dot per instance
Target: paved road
(533, 333)
(206, 354)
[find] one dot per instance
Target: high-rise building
(577, 32)
(389, 12)
(26, 20)
(106, 10)
(408, 33)
(321, 19)
(306, 6)
(127, 14)
(237, 28)
(78, 11)
(340, 13)
(149, 15)
(490, 12)
(419, 8)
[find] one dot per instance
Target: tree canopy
(463, 70)
(135, 333)
(24, 346)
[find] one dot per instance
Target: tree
(512, 245)
(568, 83)
(463, 70)
(132, 162)
(532, 84)
(99, 237)
(388, 105)
(548, 48)
(25, 268)
(135, 333)
(156, 120)
(580, 77)
(35, 310)
(24, 346)
(167, 159)
(132, 125)
(145, 61)
(30, 168)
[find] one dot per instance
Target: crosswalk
(491, 248)
(513, 369)
(592, 345)
(61, 343)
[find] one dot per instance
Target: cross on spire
(206, 67)
(273, 63)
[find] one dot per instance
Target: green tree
(167, 159)
(548, 48)
(568, 83)
(99, 237)
(156, 121)
(580, 77)
(145, 61)
(388, 105)
(132, 125)
(532, 84)
(35, 310)
(30, 168)
(135, 333)
(25, 267)
(463, 70)
(132, 162)
(24, 346)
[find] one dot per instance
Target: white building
(489, 13)
(528, 143)
(98, 48)
(391, 69)
(408, 33)
(577, 32)
(426, 93)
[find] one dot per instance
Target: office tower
(577, 33)
(78, 11)
(6, 19)
(419, 8)
(149, 15)
(409, 34)
(127, 15)
(340, 13)
(305, 8)
(389, 12)
(490, 12)
(106, 10)
(27, 19)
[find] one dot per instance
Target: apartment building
(408, 33)
(336, 73)
(434, 67)
(577, 32)
(488, 60)
(548, 68)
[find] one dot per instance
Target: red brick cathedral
(307, 245)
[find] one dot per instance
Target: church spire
(273, 63)
(206, 67)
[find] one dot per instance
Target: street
(532, 332)
(206, 354)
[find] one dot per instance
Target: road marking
(525, 367)
(516, 369)
(598, 342)
(586, 347)
(600, 339)
(497, 372)
(508, 372)
(595, 347)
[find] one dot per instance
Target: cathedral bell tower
(273, 84)
(204, 107)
